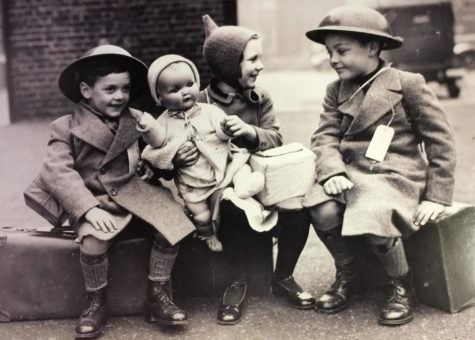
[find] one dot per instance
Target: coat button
(114, 192)
(102, 171)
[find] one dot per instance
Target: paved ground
(297, 100)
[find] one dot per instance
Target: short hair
(99, 68)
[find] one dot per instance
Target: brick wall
(43, 36)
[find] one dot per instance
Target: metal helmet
(356, 20)
(69, 79)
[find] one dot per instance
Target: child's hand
(186, 155)
(137, 115)
(428, 210)
(144, 170)
(101, 220)
(337, 184)
(234, 127)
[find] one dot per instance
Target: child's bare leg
(202, 218)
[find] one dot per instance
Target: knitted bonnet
(162, 63)
(223, 48)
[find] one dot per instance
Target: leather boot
(399, 308)
(93, 319)
(160, 308)
(347, 284)
(289, 289)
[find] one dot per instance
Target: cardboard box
(289, 171)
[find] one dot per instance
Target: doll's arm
(59, 175)
(429, 120)
(153, 130)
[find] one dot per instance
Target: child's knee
(327, 215)
(93, 246)
(203, 217)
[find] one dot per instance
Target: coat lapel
(366, 109)
(126, 134)
(92, 130)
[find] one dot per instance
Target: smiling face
(251, 64)
(177, 88)
(109, 94)
(351, 57)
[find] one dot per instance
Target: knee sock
(292, 238)
(337, 245)
(94, 269)
(393, 258)
(162, 259)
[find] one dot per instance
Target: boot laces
(95, 304)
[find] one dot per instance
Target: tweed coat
(87, 166)
(386, 194)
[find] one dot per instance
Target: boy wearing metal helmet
(372, 177)
(90, 169)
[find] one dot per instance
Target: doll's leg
(160, 307)
(202, 218)
(294, 227)
(327, 219)
(402, 297)
(94, 265)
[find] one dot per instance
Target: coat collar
(92, 130)
(251, 96)
(366, 109)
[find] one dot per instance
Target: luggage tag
(379, 145)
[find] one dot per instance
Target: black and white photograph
(237, 169)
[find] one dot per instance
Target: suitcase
(41, 276)
(441, 256)
(200, 272)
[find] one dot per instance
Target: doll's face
(109, 95)
(350, 57)
(251, 64)
(177, 88)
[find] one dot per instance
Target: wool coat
(386, 194)
(254, 107)
(87, 166)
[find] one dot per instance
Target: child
(234, 56)
(174, 84)
(362, 187)
(90, 169)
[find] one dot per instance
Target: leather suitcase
(41, 276)
(442, 258)
(200, 272)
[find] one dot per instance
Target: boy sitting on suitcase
(90, 169)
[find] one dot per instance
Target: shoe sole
(89, 336)
(228, 323)
(401, 322)
(166, 323)
(330, 311)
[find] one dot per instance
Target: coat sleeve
(59, 176)
(325, 141)
(429, 121)
(268, 134)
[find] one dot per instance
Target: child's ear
(85, 90)
(374, 48)
(159, 101)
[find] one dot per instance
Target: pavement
(297, 98)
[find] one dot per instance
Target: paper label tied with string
(379, 145)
